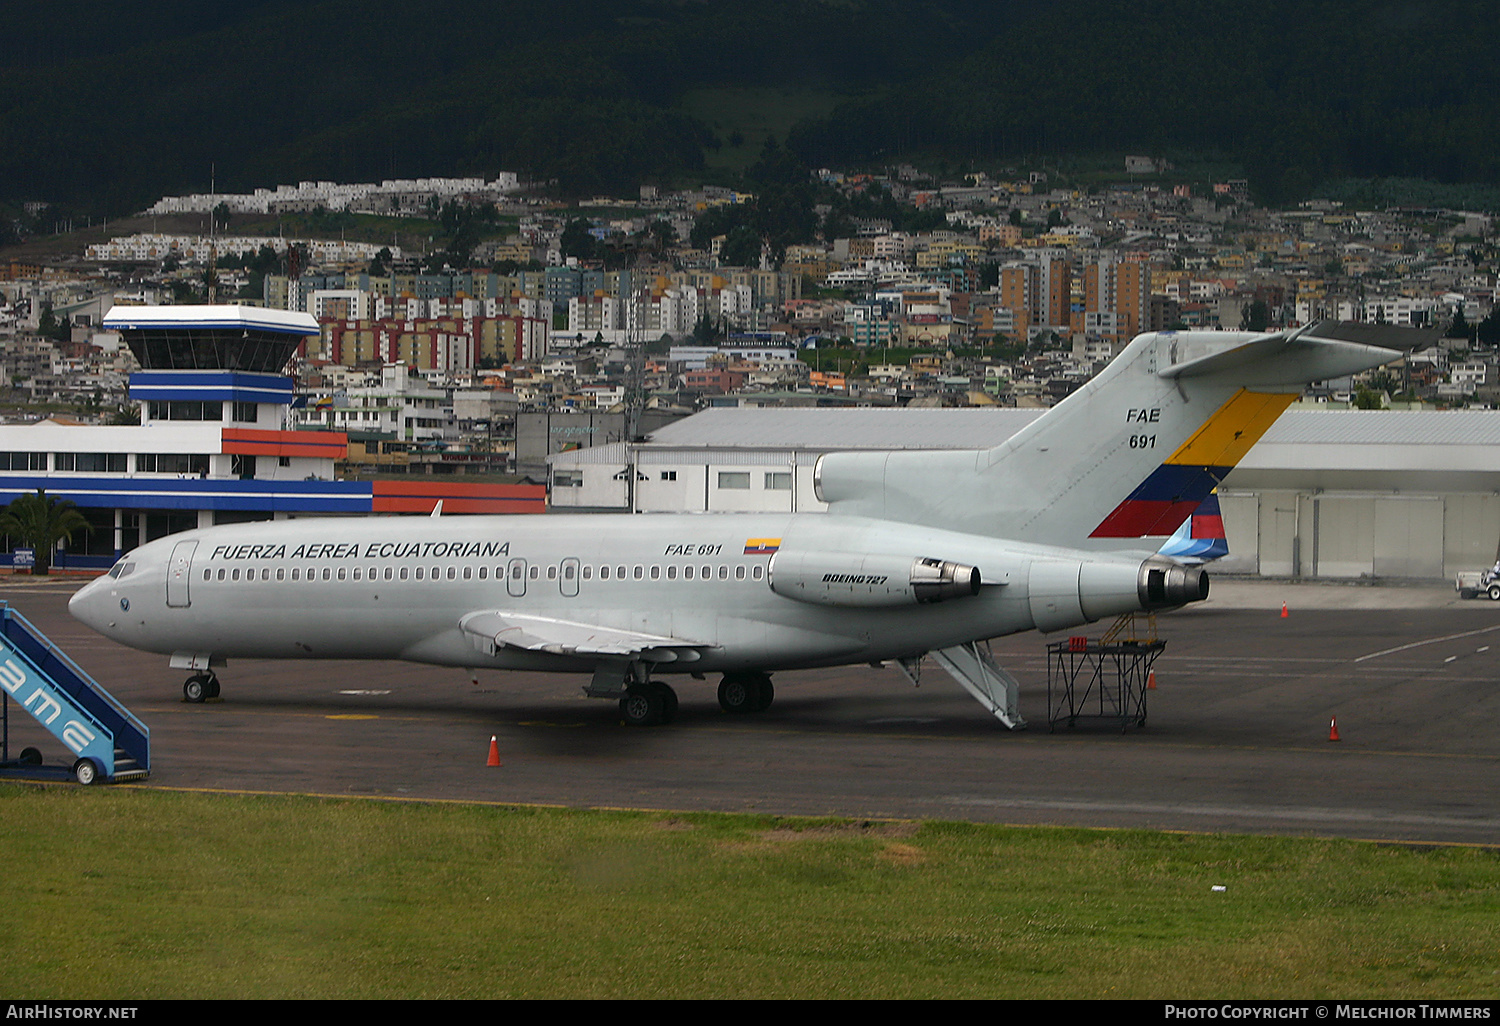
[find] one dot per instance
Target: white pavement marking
(1429, 641)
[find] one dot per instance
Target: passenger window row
(569, 571)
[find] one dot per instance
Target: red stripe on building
(421, 496)
(332, 445)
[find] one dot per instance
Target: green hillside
(104, 109)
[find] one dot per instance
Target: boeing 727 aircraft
(919, 552)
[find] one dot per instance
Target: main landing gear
(648, 704)
(200, 687)
(746, 692)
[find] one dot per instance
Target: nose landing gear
(200, 687)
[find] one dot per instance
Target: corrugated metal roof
(846, 428)
(1386, 427)
(980, 428)
(763, 436)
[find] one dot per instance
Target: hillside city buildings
(1014, 295)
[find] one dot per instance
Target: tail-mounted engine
(858, 579)
(1067, 593)
(1166, 584)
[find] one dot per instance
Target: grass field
(139, 893)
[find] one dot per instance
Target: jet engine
(1067, 593)
(860, 579)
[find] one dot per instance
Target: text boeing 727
(919, 552)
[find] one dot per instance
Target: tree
(1459, 328)
(41, 523)
(741, 248)
(577, 241)
(1255, 315)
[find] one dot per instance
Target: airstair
(107, 742)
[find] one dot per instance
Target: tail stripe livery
(1173, 490)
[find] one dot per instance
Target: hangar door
(1409, 537)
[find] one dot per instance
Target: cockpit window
(122, 569)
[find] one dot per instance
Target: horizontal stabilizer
(566, 637)
(1324, 349)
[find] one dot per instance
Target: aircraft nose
(89, 604)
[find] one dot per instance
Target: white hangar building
(1326, 493)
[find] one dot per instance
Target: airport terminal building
(214, 444)
(1336, 494)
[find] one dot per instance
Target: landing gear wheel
(737, 694)
(200, 687)
(642, 706)
(86, 771)
(668, 701)
(766, 694)
(31, 756)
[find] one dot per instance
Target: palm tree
(41, 523)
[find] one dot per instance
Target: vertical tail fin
(1129, 455)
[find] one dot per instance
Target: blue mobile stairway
(108, 743)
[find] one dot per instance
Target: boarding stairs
(107, 742)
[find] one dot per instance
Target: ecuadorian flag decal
(761, 546)
(1172, 491)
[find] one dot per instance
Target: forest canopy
(106, 109)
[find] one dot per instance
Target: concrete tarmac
(1236, 733)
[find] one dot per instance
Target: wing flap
(494, 629)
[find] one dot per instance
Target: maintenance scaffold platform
(1103, 681)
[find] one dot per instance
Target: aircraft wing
(568, 637)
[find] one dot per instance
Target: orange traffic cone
(1151, 681)
(494, 753)
(1333, 729)
(1283, 610)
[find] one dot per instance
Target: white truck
(1473, 583)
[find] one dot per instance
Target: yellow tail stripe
(1233, 429)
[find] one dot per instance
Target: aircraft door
(569, 580)
(515, 578)
(179, 570)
